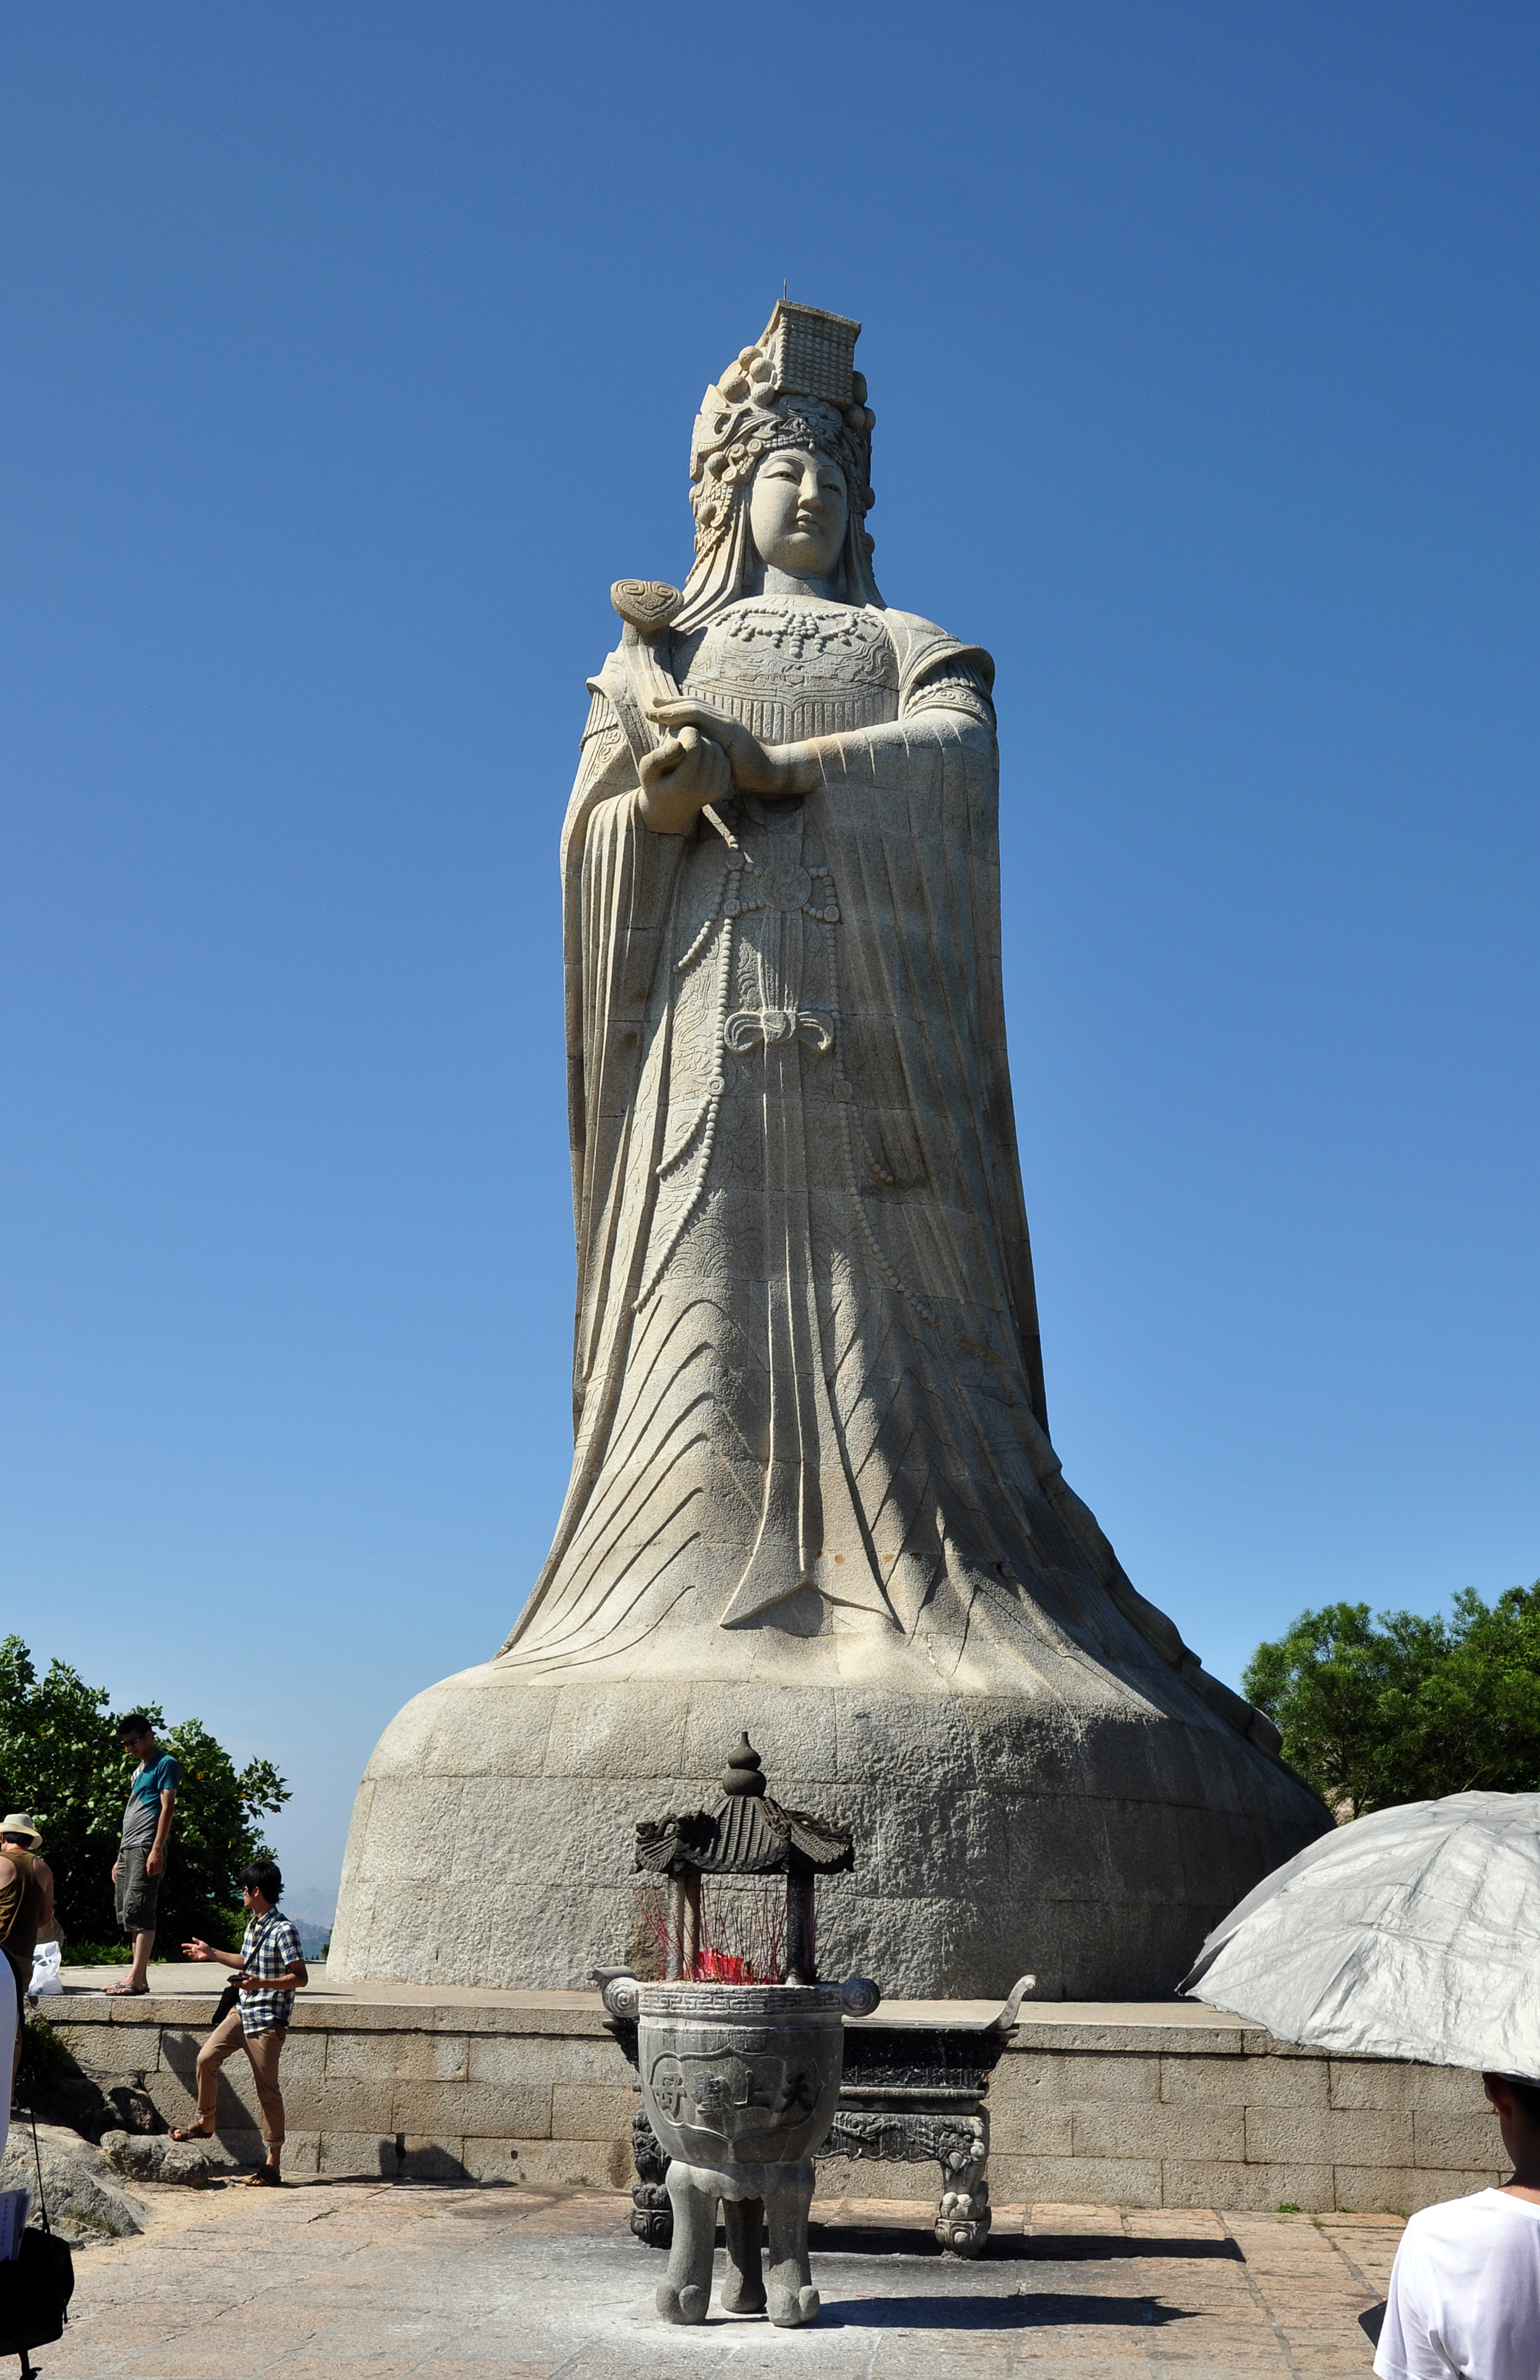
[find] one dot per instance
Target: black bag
(35, 2286)
(226, 2005)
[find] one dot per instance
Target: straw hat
(17, 1822)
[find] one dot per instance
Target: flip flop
(263, 2179)
(126, 1991)
(191, 2132)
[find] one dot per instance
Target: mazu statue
(814, 1493)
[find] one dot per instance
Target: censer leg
(793, 2299)
(685, 2293)
(742, 2292)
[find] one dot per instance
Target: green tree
(60, 1758)
(1402, 1708)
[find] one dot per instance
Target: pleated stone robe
(813, 1492)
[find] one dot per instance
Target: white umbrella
(1414, 1933)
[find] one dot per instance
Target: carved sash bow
(772, 1026)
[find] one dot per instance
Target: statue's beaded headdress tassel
(798, 386)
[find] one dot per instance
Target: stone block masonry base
(1130, 2104)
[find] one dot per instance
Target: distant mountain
(310, 1903)
(313, 1911)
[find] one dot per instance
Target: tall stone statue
(813, 1493)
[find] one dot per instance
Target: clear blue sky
(352, 352)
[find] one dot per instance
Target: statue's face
(797, 512)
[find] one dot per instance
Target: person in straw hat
(26, 1905)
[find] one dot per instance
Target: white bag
(45, 1970)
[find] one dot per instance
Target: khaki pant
(264, 2049)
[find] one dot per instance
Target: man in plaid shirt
(270, 1968)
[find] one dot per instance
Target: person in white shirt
(1465, 2289)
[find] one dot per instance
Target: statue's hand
(755, 770)
(685, 773)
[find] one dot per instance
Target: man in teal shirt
(141, 1861)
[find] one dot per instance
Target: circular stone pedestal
(1093, 1843)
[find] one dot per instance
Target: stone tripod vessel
(741, 2083)
(813, 1487)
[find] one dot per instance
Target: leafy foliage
(108, 1954)
(60, 1758)
(1402, 1708)
(45, 2058)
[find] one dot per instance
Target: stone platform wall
(1101, 2105)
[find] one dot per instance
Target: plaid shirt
(271, 1945)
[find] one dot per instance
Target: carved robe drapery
(808, 1394)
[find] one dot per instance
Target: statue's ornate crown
(797, 387)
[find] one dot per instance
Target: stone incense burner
(740, 2080)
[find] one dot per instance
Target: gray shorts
(136, 1893)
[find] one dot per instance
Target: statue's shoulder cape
(925, 650)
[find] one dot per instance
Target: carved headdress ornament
(798, 386)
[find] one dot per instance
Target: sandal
(126, 1991)
(263, 2179)
(191, 2132)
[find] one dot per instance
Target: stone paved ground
(360, 2281)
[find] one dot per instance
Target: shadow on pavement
(1022, 2310)
(1071, 2248)
(1007, 2247)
